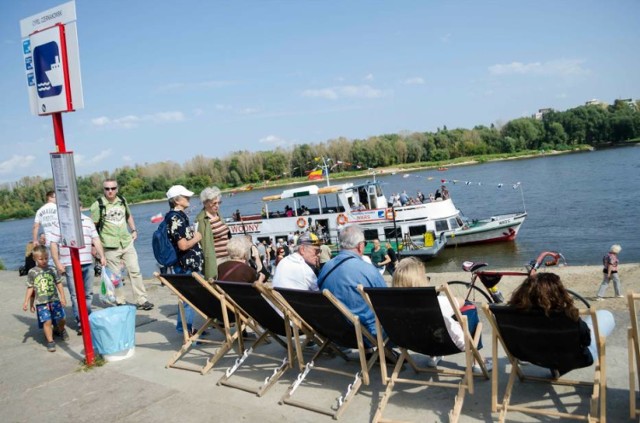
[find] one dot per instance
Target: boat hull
(501, 228)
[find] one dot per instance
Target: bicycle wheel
(578, 299)
(460, 289)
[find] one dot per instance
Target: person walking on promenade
(62, 259)
(47, 217)
(111, 215)
(49, 300)
(610, 271)
(379, 256)
(186, 241)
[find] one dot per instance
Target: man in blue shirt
(342, 275)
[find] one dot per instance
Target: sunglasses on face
(110, 188)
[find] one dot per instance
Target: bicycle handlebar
(556, 258)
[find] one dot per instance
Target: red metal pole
(75, 260)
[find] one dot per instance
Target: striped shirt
(220, 236)
(88, 231)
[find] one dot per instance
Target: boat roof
(306, 191)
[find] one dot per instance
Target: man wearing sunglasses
(117, 230)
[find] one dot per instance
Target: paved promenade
(38, 386)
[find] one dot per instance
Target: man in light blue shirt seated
(342, 275)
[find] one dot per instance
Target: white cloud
(16, 162)
(248, 111)
(416, 80)
(273, 140)
(346, 91)
(560, 67)
(83, 161)
(445, 38)
(368, 77)
(127, 159)
(133, 121)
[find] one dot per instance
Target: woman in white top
(410, 272)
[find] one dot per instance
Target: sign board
(64, 180)
(52, 61)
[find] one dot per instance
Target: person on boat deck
(445, 192)
(343, 273)
(404, 198)
(420, 196)
(288, 211)
(545, 291)
(236, 215)
(236, 268)
(379, 256)
(297, 270)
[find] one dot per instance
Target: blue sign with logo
(48, 70)
(31, 79)
(26, 46)
(28, 62)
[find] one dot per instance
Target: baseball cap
(308, 238)
(178, 190)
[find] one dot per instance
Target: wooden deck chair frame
(359, 332)
(464, 385)
(264, 321)
(597, 403)
(211, 321)
(633, 338)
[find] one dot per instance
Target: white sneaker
(619, 296)
(433, 361)
(488, 363)
(599, 299)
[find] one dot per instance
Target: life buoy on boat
(389, 214)
(341, 219)
(301, 222)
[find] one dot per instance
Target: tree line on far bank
(592, 125)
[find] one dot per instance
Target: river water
(578, 204)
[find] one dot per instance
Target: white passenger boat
(325, 210)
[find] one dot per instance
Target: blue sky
(167, 80)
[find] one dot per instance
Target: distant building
(541, 113)
(593, 102)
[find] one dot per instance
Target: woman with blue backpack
(186, 241)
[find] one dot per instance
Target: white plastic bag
(108, 290)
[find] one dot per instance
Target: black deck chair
(259, 312)
(551, 342)
(207, 303)
(336, 326)
(412, 320)
(633, 338)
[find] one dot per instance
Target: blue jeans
(606, 323)
(189, 313)
(87, 278)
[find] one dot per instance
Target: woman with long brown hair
(545, 291)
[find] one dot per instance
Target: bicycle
(488, 291)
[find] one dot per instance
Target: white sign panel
(52, 60)
(64, 180)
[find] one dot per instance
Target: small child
(610, 264)
(49, 297)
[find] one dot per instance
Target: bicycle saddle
(470, 266)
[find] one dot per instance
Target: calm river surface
(578, 204)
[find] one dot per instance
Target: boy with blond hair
(49, 302)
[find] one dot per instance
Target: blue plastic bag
(113, 329)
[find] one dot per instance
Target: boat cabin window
(392, 233)
(417, 230)
(453, 223)
(371, 234)
(362, 196)
(441, 225)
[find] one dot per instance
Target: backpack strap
(103, 211)
(321, 281)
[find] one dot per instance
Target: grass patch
(98, 361)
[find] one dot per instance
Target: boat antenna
(524, 208)
(373, 172)
(325, 169)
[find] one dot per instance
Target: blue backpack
(163, 249)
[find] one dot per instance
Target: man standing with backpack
(113, 219)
